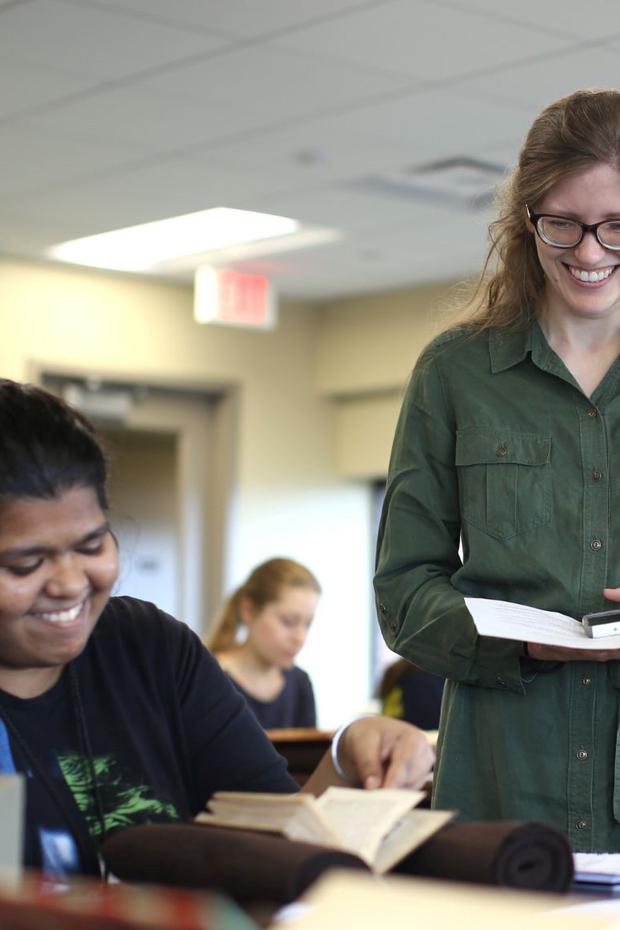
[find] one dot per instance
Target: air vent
(464, 182)
(99, 402)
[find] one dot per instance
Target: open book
(378, 826)
(505, 620)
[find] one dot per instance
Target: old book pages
(380, 827)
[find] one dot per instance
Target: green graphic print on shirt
(124, 804)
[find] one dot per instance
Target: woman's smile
(64, 616)
(593, 277)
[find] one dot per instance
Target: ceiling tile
(233, 17)
(556, 17)
(26, 235)
(534, 85)
(153, 123)
(89, 41)
(415, 126)
(138, 195)
(272, 84)
(32, 161)
(424, 40)
(312, 151)
(23, 86)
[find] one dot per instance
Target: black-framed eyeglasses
(563, 233)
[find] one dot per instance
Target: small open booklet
(506, 620)
(380, 826)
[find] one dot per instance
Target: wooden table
(302, 747)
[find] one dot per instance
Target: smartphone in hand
(602, 623)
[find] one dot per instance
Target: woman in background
(274, 607)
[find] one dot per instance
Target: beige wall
(366, 349)
(370, 343)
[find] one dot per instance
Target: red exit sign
(233, 298)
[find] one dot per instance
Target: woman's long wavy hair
(570, 134)
(263, 586)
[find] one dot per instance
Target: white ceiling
(117, 112)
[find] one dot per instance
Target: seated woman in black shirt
(113, 710)
(274, 608)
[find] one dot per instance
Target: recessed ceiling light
(149, 246)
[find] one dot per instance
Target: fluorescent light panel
(307, 237)
(149, 245)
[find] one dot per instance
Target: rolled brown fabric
(513, 853)
(247, 865)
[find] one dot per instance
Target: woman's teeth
(590, 276)
(62, 616)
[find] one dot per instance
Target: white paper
(505, 620)
(600, 868)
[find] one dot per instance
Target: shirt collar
(509, 347)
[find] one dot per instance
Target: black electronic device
(603, 623)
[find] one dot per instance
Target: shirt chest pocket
(504, 480)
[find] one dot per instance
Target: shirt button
(592, 412)
(585, 681)
(596, 544)
(596, 474)
(501, 451)
(582, 755)
(581, 824)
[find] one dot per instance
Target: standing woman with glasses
(509, 443)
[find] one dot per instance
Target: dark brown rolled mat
(247, 865)
(516, 854)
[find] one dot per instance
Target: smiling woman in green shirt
(508, 441)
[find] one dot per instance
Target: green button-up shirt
(498, 448)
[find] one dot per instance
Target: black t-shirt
(293, 707)
(165, 726)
